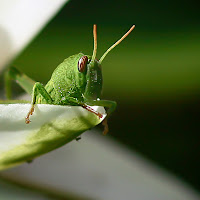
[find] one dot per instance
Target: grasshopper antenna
(95, 42)
(116, 43)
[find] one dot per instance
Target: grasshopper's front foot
(27, 120)
(90, 109)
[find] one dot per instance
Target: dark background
(154, 75)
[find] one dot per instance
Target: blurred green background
(154, 75)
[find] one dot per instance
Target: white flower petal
(20, 21)
(51, 127)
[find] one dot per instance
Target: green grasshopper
(77, 81)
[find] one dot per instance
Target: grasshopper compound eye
(82, 63)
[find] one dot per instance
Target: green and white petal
(51, 127)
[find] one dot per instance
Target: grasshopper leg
(24, 81)
(92, 110)
(27, 120)
(38, 88)
(111, 105)
(84, 105)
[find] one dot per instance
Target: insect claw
(105, 124)
(92, 110)
(78, 138)
(27, 120)
(29, 161)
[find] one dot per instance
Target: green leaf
(51, 127)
